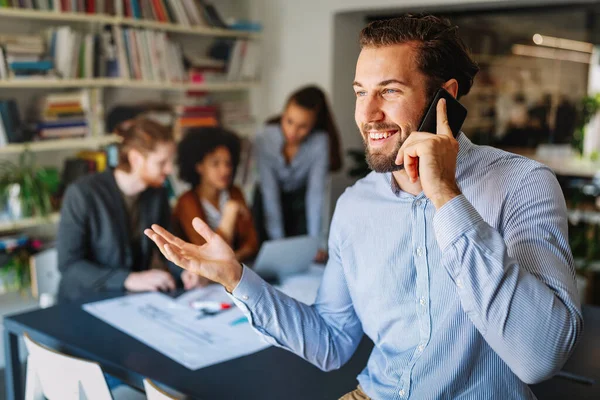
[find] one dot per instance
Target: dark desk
(269, 374)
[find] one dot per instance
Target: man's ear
(451, 87)
(135, 158)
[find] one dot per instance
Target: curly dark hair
(198, 143)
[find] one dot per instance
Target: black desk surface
(269, 374)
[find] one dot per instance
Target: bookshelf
(123, 89)
(7, 226)
(54, 16)
(125, 83)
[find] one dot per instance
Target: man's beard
(386, 162)
(382, 162)
(152, 182)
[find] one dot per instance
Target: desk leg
(12, 372)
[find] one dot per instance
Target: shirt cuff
(249, 290)
(454, 219)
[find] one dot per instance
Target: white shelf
(29, 222)
(54, 83)
(114, 20)
(59, 144)
(125, 83)
(179, 87)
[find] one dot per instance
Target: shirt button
(245, 297)
(422, 301)
(459, 283)
(419, 251)
(401, 393)
(420, 348)
(418, 203)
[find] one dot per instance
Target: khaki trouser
(357, 394)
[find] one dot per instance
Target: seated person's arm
(326, 334)
(245, 232)
(78, 271)
(518, 286)
(73, 245)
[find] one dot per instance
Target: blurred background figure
(207, 160)
(100, 241)
(296, 151)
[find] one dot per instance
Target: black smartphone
(456, 113)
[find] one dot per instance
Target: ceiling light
(560, 43)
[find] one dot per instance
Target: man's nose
(371, 110)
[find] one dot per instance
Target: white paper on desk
(175, 331)
(213, 292)
(302, 287)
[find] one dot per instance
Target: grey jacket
(94, 253)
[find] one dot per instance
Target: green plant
(34, 193)
(16, 271)
(590, 106)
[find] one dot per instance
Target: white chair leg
(33, 386)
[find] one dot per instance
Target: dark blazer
(94, 252)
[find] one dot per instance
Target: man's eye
(360, 93)
(390, 91)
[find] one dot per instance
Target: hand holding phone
(456, 112)
(430, 154)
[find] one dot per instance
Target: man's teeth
(380, 135)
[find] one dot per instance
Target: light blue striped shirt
(474, 301)
(309, 168)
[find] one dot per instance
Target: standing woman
(295, 153)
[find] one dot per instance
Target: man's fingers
(168, 236)
(203, 229)
(158, 240)
(399, 157)
(175, 256)
(443, 127)
(411, 166)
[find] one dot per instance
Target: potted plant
(24, 191)
(14, 263)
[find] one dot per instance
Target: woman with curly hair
(207, 160)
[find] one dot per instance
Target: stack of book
(244, 60)
(148, 55)
(64, 115)
(87, 6)
(76, 55)
(194, 117)
(10, 123)
(236, 115)
(23, 56)
(183, 12)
